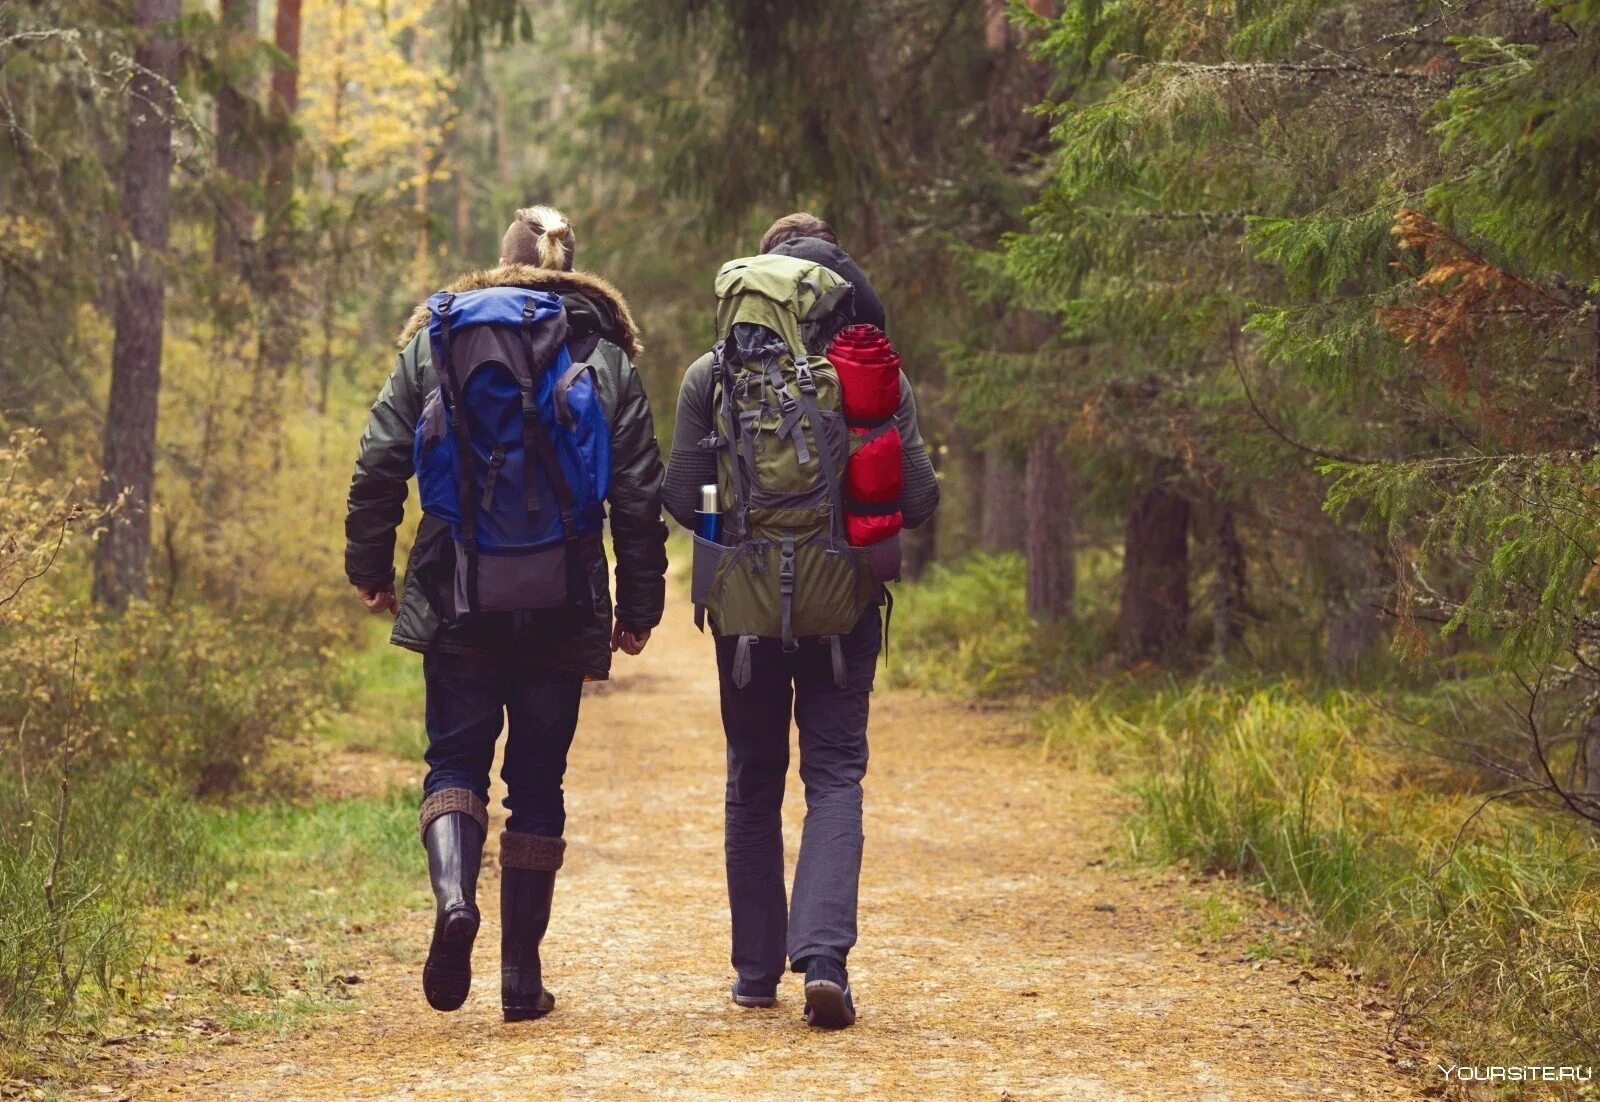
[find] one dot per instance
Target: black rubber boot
(454, 841)
(527, 888)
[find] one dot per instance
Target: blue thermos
(710, 526)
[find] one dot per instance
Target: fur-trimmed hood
(618, 328)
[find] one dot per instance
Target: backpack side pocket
(433, 455)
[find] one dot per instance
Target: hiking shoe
(829, 1004)
(755, 995)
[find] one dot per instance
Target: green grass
(318, 865)
(1219, 917)
(306, 893)
(382, 689)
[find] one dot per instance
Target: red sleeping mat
(869, 377)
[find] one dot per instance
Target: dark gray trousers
(833, 759)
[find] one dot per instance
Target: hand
(628, 640)
(379, 600)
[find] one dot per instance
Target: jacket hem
(588, 673)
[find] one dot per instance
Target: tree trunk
(1001, 524)
(285, 100)
(502, 143)
(1227, 587)
(280, 332)
(1153, 623)
(1051, 559)
(1017, 84)
(236, 149)
(122, 557)
(463, 236)
(1352, 597)
(1589, 779)
(422, 268)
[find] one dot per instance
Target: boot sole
(447, 976)
(754, 1002)
(547, 1003)
(828, 1006)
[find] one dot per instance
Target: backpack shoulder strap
(536, 441)
(830, 471)
(722, 385)
(440, 307)
(586, 354)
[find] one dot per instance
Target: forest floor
(1007, 951)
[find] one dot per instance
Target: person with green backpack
(794, 606)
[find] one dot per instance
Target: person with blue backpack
(516, 406)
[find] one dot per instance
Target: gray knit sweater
(692, 466)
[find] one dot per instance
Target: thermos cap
(708, 498)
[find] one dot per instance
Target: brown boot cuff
(453, 800)
(531, 851)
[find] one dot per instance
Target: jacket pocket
(431, 569)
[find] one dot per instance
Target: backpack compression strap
(790, 425)
(465, 460)
(536, 442)
(830, 472)
(786, 590)
(731, 416)
(740, 675)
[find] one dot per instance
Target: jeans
(833, 759)
(469, 698)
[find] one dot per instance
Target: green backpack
(783, 570)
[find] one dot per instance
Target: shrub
(110, 726)
(965, 626)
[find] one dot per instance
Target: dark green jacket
(575, 639)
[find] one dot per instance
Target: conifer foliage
(1347, 252)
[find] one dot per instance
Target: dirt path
(999, 958)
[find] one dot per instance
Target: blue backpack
(513, 450)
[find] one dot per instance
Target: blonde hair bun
(555, 236)
(540, 237)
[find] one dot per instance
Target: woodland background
(1257, 344)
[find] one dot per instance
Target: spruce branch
(1405, 36)
(1268, 422)
(1291, 69)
